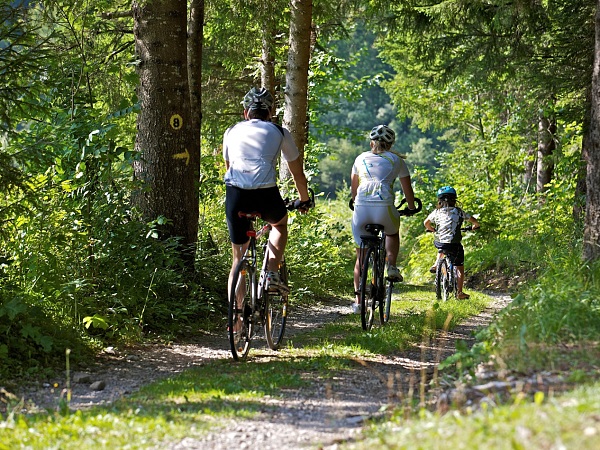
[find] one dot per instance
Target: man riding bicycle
(251, 150)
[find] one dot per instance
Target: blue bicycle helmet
(446, 191)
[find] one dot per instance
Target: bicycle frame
(250, 302)
(251, 255)
(246, 310)
(446, 275)
(445, 278)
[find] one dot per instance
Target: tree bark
(529, 166)
(591, 234)
(194, 49)
(167, 167)
(296, 89)
(267, 73)
(546, 147)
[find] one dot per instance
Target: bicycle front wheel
(368, 288)
(240, 325)
(276, 304)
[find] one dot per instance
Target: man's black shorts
(455, 252)
(267, 202)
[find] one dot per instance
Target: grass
(415, 314)
(191, 403)
(194, 401)
(567, 421)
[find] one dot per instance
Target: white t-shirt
(447, 222)
(252, 148)
(376, 176)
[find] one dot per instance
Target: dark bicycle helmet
(446, 191)
(383, 133)
(258, 98)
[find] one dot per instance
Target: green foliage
(553, 322)
(561, 308)
(31, 336)
(317, 251)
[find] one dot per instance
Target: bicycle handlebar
(302, 206)
(467, 228)
(403, 212)
(410, 212)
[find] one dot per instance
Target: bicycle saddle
(373, 228)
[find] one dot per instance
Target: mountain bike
(446, 274)
(375, 290)
(251, 304)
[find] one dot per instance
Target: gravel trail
(321, 415)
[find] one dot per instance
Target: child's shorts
(455, 252)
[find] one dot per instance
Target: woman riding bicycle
(372, 181)
(448, 219)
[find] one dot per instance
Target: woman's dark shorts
(267, 202)
(455, 252)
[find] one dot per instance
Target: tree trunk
(194, 56)
(267, 73)
(529, 166)
(580, 187)
(591, 235)
(296, 89)
(546, 146)
(168, 164)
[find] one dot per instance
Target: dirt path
(319, 416)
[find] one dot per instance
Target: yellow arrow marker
(185, 155)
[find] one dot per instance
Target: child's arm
(473, 220)
(427, 224)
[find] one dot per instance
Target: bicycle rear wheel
(389, 288)
(380, 295)
(240, 325)
(438, 281)
(368, 288)
(445, 280)
(276, 312)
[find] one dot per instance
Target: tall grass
(553, 322)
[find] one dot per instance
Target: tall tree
(194, 57)
(591, 238)
(546, 147)
(168, 166)
(296, 80)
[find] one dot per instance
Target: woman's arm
(407, 190)
(353, 185)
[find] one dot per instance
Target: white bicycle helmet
(258, 98)
(383, 133)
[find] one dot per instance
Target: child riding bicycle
(448, 219)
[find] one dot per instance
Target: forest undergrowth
(550, 326)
